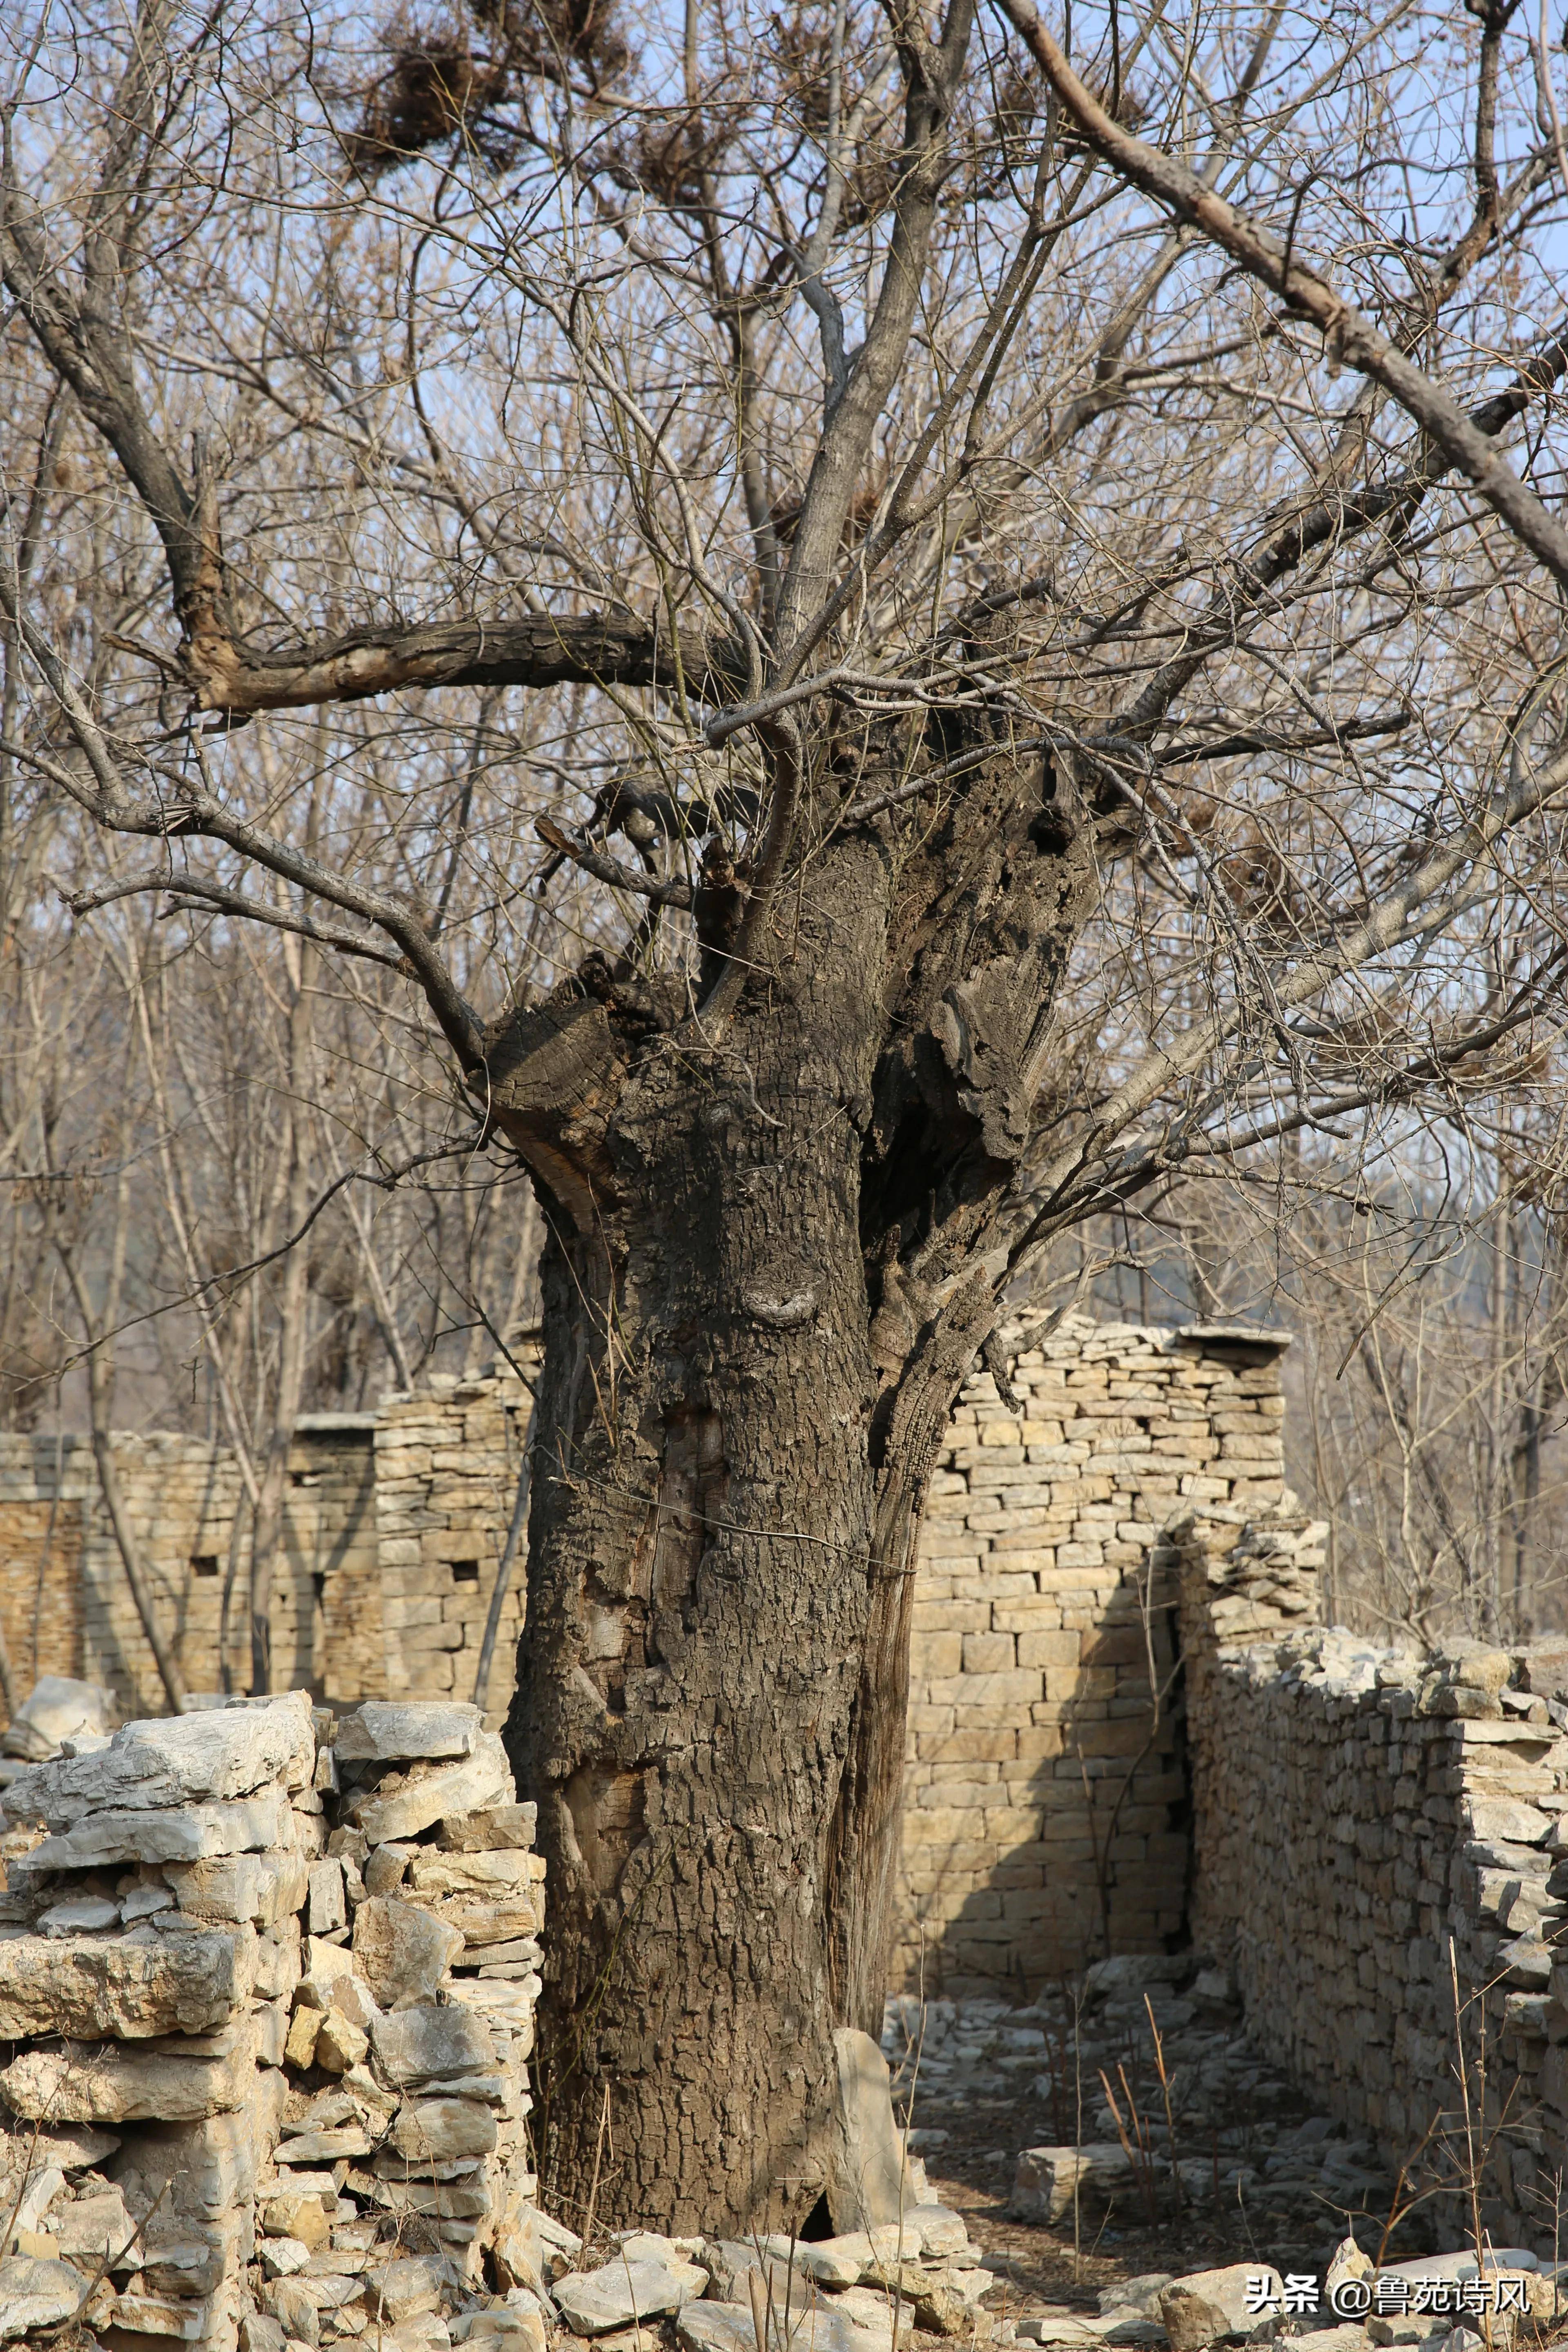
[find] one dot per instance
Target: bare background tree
(863, 640)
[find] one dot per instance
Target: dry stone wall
(1377, 1837)
(1046, 1791)
(268, 1978)
(393, 1529)
(1045, 1787)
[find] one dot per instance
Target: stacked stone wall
(267, 1988)
(1045, 1816)
(1045, 1788)
(393, 1529)
(446, 1478)
(1376, 1835)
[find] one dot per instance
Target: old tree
(898, 631)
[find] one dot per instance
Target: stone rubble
(1241, 2124)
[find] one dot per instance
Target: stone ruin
(267, 1983)
(1046, 1801)
(269, 1968)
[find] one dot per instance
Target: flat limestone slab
(410, 1801)
(435, 2131)
(84, 2083)
(180, 1759)
(730, 2327)
(504, 1914)
(253, 1825)
(594, 2303)
(94, 1987)
(428, 2044)
(392, 1731)
(432, 1872)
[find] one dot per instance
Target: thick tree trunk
(760, 1292)
(699, 1583)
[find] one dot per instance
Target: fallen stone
(83, 2083)
(831, 2262)
(175, 1761)
(651, 2246)
(424, 2333)
(939, 2230)
(936, 2301)
(1048, 2178)
(1057, 2327)
(36, 2293)
(402, 1953)
(428, 2043)
(387, 1730)
(867, 2185)
(1199, 2309)
(1140, 2294)
(434, 2131)
(871, 2308)
(90, 1987)
(504, 2328)
(732, 2265)
(259, 2332)
(254, 1824)
(730, 2327)
(716, 2328)
(595, 2301)
(489, 1831)
(407, 1802)
(1347, 2338)
(1348, 2261)
(56, 1708)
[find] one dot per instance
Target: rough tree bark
(751, 1347)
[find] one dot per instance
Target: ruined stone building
(1047, 1808)
(1129, 1731)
